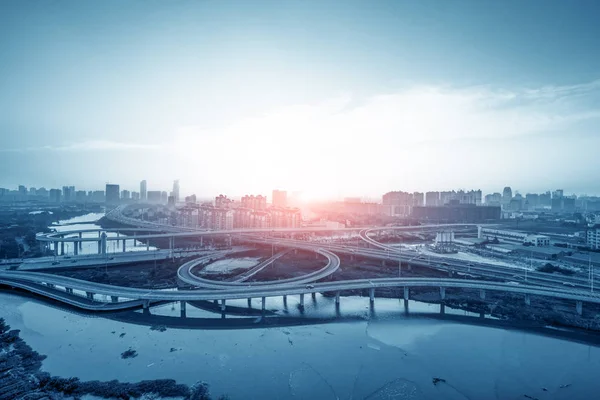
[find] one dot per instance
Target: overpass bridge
(62, 289)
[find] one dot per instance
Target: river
(382, 353)
(89, 221)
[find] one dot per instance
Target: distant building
(593, 238)
(55, 195)
(98, 196)
(125, 195)
(112, 194)
(143, 191)
(68, 194)
(164, 197)
(81, 196)
(397, 203)
(190, 199)
(279, 198)
(493, 199)
(432, 199)
(453, 212)
(418, 199)
(512, 236)
(222, 201)
(506, 196)
(135, 196)
(176, 190)
(153, 196)
(171, 201)
(254, 202)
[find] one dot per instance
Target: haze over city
(332, 99)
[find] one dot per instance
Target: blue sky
(331, 98)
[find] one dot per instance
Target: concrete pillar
(201, 240)
(285, 301)
(337, 298)
(76, 248)
(579, 307)
(90, 295)
(482, 294)
(372, 295)
(182, 306)
(80, 243)
(399, 267)
(55, 248)
(302, 300)
(249, 302)
(62, 248)
(527, 300)
(443, 293)
(223, 305)
(103, 243)
(147, 244)
(124, 245)
(406, 292)
(146, 304)
(99, 247)
(313, 295)
(264, 303)
(114, 299)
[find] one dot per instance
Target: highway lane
(281, 290)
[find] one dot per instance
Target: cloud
(90, 145)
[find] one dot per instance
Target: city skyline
(243, 98)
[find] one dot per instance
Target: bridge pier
(114, 299)
(406, 293)
(90, 295)
(337, 298)
(482, 294)
(62, 248)
(182, 306)
(442, 308)
(249, 302)
(264, 304)
(372, 295)
(314, 296)
(124, 245)
(147, 244)
(223, 306)
(99, 247)
(579, 307)
(146, 304)
(302, 300)
(76, 248)
(443, 293)
(80, 243)
(55, 248)
(527, 300)
(201, 241)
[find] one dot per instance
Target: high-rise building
(112, 194)
(81, 196)
(222, 201)
(176, 190)
(506, 196)
(254, 202)
(68, 194)
(125, 194)
(22, 191)
(397, 203)
(493, 199)
(432, 199)
(418, 199)
(135, 196)
(164, 197)
(279, 198)
(55, 195)
(143, 191)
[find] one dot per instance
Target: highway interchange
(506, 279)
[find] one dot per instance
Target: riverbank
(21, 376)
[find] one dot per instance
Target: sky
(333, 99)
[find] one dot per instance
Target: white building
(593, 238)
(512, 236)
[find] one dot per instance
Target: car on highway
(55, 262)
(310, 286)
